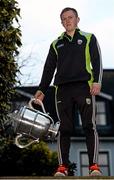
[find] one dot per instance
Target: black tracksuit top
(76, 59)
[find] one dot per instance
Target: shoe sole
(59, 174)
(95, 173)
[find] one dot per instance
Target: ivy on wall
(10, 41)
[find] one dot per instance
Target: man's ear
(62, 24)
(78, 19)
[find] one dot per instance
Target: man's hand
(38, 95)
(95, 89)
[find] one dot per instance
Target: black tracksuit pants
(67, 97)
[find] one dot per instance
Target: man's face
(69, 20)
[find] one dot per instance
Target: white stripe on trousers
(95, 157)
(58, 138)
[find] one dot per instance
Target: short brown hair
(68, 9)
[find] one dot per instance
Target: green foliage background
(10, 41)
(36, 160)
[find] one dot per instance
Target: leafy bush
(9, 43)
(36, 160)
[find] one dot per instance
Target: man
(76, 57)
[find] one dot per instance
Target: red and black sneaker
(62, 170)
(94, 170)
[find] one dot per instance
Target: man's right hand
(38, 95)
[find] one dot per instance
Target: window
(103, 163)
(101, 113)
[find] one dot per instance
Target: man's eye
(70, 17)
(64, 19)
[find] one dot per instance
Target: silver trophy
(33, 125)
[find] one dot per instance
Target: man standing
(76, 57)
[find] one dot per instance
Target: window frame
(101, 113)
(107, 114)
(101, 165)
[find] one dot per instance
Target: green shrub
(36, 160)
(9, 43)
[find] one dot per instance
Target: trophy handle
(18, 137)
(42, 106)
(40, 103)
